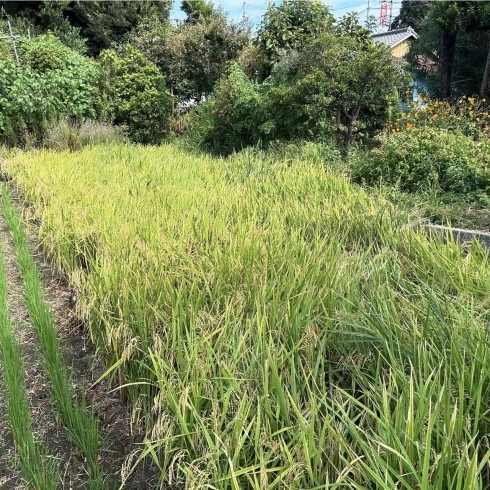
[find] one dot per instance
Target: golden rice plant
(273, 325)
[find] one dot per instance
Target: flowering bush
(468, 115)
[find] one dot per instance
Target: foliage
(427, 157)
(149, 37)
(85, 26)
(412, 13)
(275, 326)
(342, 83)
(359, 75)
(134, 94)
(105, 24)
(193, 56)
(43, 17)
(455, 36)
(242, 113)
(469, 116)
(437, 144)
(52, 82)
(231, 119)
(290, 25)
(197, 10)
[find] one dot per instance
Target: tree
(30, 10)
(454, 35)
(51, 82)
(104, 24)
(290, 25)
(134, 94)
(101, 23)
(340, 81)
(359, 76)
(197, 10)
(412, 13)
(450, 17)
(369, 81)
(193, 56)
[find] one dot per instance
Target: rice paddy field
(272, 325)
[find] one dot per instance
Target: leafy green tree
(456, 18)
(104, 24)
(231, 118)
(134, 94)
(455, 36)
(412, 13)
(340, 82)
(371, 23)
(290, 25)
(193, 56)
(357, 77)
(30, 10)
(197, 10)
(42, 17)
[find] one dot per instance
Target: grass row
(80, 422)
(273, 325)
(37, 470)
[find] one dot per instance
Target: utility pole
(391, 11)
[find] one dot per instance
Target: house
(399, 42)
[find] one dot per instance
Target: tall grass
(37, 470)
(69, 136)
(273, 325)
(81, 423)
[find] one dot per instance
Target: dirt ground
(84, 366)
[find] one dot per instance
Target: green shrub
(133, 94)
(231, 119)
(242, 113)
(51, 83)
(422, 157)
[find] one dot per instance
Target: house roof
(392, 38)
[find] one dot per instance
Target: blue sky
(254, 9)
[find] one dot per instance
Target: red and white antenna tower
(383, 14)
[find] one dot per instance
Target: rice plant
(37, 470)
(273, 325)
(80, 422)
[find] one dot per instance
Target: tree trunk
(348, 137)
(485, 85)
(447, 62)
(351, 121)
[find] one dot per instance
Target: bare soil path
(84, 367)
